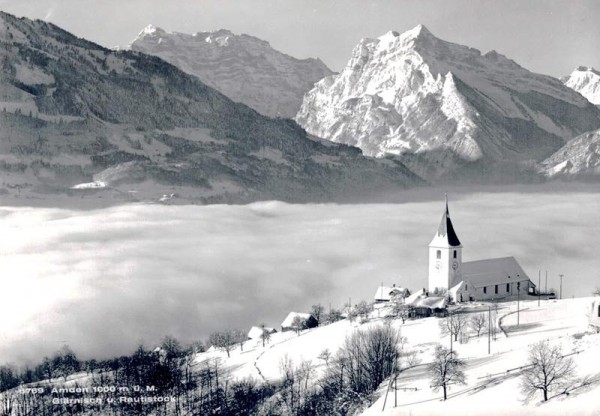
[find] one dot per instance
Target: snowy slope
(244, 68)
(585, 81)
(490, 389)
(578, 158)
(414, 93)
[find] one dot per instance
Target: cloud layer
(104, 281)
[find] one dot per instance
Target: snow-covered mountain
(244, 68)
(580, 157)
(443, 105)
(76, 117)
(585, 81)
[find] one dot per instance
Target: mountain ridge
(72, 109)
(412, 94)
(244, 68)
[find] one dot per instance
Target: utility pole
(450, 334)
(518, 301)
(561, 276)
(489, 329)
(539, 284)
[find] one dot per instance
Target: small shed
(307, 319)
(387, 293)
(595, 314)
(257, 331)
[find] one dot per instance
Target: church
(481, 280)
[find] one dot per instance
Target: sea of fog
(103, 281)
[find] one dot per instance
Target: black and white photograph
(299, 207)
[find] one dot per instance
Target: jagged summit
(243, 67)
(151, 30)
(444, 103)
(587, 69)
(586, 81)
(419, 31)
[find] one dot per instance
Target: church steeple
(446, 236)
(445, 254)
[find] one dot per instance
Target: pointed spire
(447, 211)
(446, 235)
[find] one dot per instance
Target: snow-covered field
(492, 379)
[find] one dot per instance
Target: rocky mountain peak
(244, 68)
(442, 104)
(586, 81)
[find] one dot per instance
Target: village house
(256, 332)
(481, 280)
(421, 305)
(307, 320)
(387, 293)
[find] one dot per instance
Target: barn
(307, 320)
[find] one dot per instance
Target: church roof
(445, 236)
(493, 271)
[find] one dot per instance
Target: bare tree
(478, 323)
(317, 312)
(363, 309)
(333, 316)
(446, 369)
(454, 324)
(401, 310)
(265, 336)
(224, 340)
(325, 355)
(549, 370)
(298, 324)
(367, 357)
(240, 337)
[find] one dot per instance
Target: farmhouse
(305, 320)
(489, 279)
(422, 305)
(386, 293)
(256, 332)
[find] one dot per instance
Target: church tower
(445, 255)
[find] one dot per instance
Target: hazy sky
(546, 36)
(105, 280)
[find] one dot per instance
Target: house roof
(445, 236)
(421, 300)
(256, 331)
(386, 292)
(287, 322)
(493, 271)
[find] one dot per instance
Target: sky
(546, 36)
(104, 281)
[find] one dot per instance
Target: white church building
(490, 279)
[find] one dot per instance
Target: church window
(496, 290)
(466, 288)
(599, 311)
(507, 287)
(485, 289)
(439, 254)
(454, 253)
